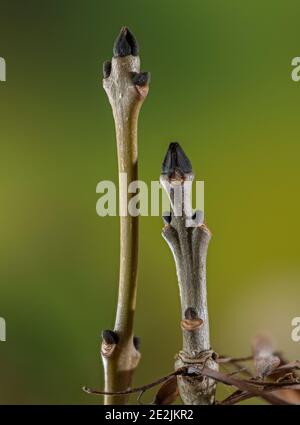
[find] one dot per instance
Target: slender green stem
(126, 88)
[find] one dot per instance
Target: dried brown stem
(224, 360)
(245, 389)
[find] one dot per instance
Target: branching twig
(245, 388)
(126, 88)
(224, 360)
(141, 389)
(197, 366)
(188, 240)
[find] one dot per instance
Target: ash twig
(122, 83)
(188, 239)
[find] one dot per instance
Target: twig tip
(176, 160)
(126, 44)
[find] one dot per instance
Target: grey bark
(188, 239)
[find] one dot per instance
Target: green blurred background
(220, 85)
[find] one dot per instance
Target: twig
(239, 396)
(236, 372)
(223, 359)
(243, 386)
(139, 399)
(287, 366)
(281, 385)
(188, 240)
(126, 88)
(141, 389)
(246, 389)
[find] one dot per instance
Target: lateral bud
(191, 322)
(167, 218)
(141, 78)
(110, 337)
(137, 343)
(106, 69)
(109, 341)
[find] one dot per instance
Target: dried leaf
(264, 360)
(247, 389)
(291, 396)
(168, 392)
(265, 365)
(283, 373)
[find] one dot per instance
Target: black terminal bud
(126, 44)
(176, 160)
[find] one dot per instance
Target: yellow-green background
(220, 85)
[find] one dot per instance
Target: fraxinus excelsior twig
(188, 239)
(126, 88)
